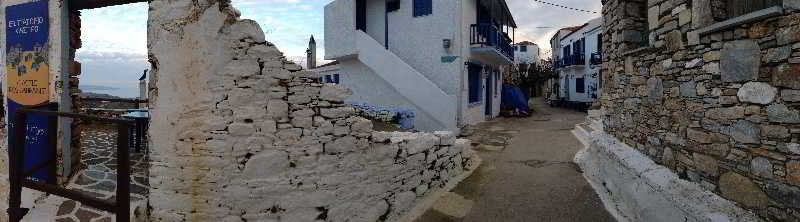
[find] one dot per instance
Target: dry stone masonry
(241, 134)
(713, 97)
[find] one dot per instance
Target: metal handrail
(115, 100)
(18, 177)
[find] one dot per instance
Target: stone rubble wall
(719, 109)
(241, 134)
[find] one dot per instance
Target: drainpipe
(460, 93)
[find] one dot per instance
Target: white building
(526, 53)
(442, 59)
(329, 73)
(576, 52)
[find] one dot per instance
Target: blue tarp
(513, 98)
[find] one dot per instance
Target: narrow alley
(527, 173)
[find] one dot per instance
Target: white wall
(340, 25)
(418, 41)
(376, 20)
(528, 57)
(368, 87)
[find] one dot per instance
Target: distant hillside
(98, 95)
(104, 105)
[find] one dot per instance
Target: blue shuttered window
(423, 7)
(328, 79)
(474, 80)
(336, 78)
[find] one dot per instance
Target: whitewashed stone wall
(240, 134)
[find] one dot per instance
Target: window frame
(422, 8)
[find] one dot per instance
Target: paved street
(527, 174)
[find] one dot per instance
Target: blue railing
(572, 60)
(485, 34)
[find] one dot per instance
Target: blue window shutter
(429, 7)
(422, 7)
(328, 79)
(336, 78)
(474, 81)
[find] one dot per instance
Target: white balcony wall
(340, 26)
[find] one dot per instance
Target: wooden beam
(92, 4)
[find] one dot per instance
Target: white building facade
(442, 59)
(577, 60)
(329, 73)
(526, 53)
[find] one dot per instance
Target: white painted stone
(337, 112)
(420, 142)
(631, 185)
(265, 53)
(241, 129)
(248, 29)
(335, 93)
(341, 145)
(361, 125)
(447, 138)
(242, 68)
(267, 164)
(757, 92)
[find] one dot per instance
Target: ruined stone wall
(238, 133)
(717, 106)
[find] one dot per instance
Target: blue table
(141, 117)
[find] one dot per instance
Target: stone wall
(238, 133)
(718, 106)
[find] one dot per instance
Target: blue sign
(28, 77)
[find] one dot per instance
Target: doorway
(490, 72)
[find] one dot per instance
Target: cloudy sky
(114, 52)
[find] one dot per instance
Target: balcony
(491, 44)
(573, 60)
(596, 59)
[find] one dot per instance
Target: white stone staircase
(584, 130)
(408, 82)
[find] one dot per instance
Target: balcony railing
(489, 35)
(596, 59)
(572, 60)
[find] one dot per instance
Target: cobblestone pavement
(97, 178)
(527, 173)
